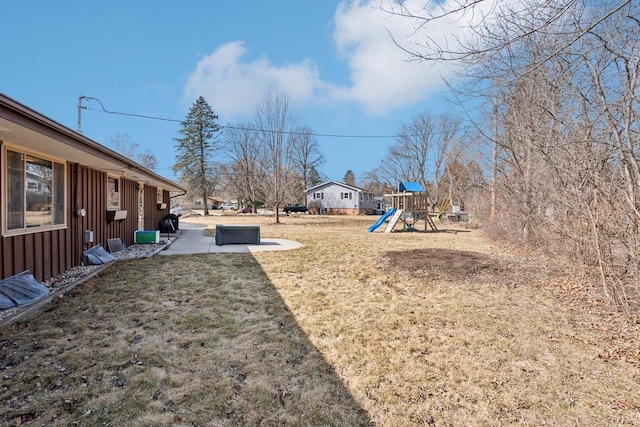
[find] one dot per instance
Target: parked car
(245, 210)
(179, 211)
(227, 207)
(295, 208)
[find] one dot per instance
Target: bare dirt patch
(460, 266)
(443, 263)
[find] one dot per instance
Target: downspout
(77, 230)
(175, 195)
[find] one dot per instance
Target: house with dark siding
(56, 184)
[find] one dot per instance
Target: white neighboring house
(338, 198)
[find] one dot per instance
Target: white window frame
(111, 205)
(159, 196)
(4, 192)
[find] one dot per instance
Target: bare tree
(243, 171)
(374, 182)
(122, 144)
(413, 147)
(478, 19)
(306, 156)
(421, 152)
(276, 123)
(447, 147)
(468, 187)
(148, 159)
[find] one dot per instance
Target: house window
(318, 195)
(345, 196)
(34, 193)
(113, 193)
(160, 196)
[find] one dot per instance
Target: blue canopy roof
(411, 187)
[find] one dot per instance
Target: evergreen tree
(349, 178)
(313, 178)
(195, 150)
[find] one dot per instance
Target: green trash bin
(147, 237)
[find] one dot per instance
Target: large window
(34, 192)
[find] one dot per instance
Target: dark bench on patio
(237, 234)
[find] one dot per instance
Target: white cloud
(383, 77)
(234, 87)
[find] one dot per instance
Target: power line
(326, 135)
(127, 114)
(244, 128)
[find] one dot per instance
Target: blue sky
(334, 59)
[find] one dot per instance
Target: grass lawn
(426, 329)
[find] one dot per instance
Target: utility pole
(494, 156)
(80, 108)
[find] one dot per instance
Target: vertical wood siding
(91, 194)
(49, 253)
(153, 216)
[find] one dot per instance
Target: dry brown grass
(355, 328)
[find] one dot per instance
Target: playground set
(409, 206)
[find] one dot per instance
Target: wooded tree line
(568, 143)
(560, 80)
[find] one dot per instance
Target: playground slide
(381, 220)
